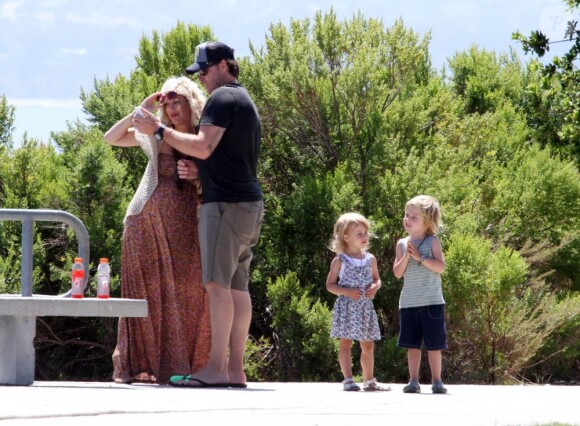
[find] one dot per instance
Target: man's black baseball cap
(209, 53)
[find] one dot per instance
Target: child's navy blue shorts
(423, 325)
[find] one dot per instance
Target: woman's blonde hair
(430, 211)
(342, 226)
(187, 88)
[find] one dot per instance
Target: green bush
(304, 350)
(498, 318)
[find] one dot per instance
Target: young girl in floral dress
(354, 278)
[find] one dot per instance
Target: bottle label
(103, 287)
(77, 287)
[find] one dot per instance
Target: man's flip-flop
(192, 382)
(238, 385)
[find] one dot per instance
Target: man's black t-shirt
(230, 173)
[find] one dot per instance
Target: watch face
(159, 133)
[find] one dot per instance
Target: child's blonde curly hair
(342, 226)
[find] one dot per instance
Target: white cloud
(45, 103)
(9, 10)
(101, 20)
(44, 17)
(73, 51)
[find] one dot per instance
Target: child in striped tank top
(419, 260)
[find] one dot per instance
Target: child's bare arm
(401, 260)
(374, 287)
(437, 262)
(332, 282)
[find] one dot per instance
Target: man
(227, 148)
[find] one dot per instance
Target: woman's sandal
(373, 386)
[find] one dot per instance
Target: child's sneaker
(438, 387)
(412, 387)
(349, 385)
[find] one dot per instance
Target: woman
(160, 252)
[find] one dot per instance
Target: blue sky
(50, 49)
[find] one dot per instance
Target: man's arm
(200, 146)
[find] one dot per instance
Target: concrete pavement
(279, 404)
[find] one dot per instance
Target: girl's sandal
(349, 385)
(373, 386)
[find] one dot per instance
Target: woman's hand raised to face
(151, 102)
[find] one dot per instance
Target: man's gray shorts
(227, 233)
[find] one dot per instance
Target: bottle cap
(78, 260)
(104, 260)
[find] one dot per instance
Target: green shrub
(304, 350)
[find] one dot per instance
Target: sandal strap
(352, 385)
(370, 382)
(373, 385)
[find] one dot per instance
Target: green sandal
(192, 382)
